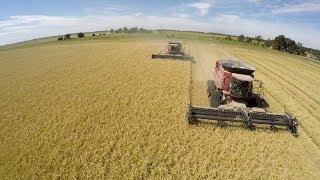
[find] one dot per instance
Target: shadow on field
(260, 103)
(264, 104)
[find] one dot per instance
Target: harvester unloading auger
(173, 50)
(233, 100)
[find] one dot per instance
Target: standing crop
(106, 110)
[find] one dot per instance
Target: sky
(297, 19)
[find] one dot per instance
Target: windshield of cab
(239, 88)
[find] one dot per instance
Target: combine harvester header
(246, 116)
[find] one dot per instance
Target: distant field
(103, 108)
(154, 35)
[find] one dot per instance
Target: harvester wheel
(215, 98)
(191, 119)
(211, 86)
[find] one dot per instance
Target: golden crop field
(106, 110)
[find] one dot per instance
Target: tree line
(280, 43)
(283, 43)
(68, 36)
(129, 30)
(120, 30)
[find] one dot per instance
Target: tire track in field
(198, 76)
(191, 91)
(285, 64)
(299, 60)
(289, 61)
(309, 92)
(305, 63)
(309, 62)
(311, 76)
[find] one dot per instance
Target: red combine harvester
(232, 99)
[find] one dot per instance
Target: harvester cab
(240, 86)
(233, 82)
(173, 50)
(232, 99)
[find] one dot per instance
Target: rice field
(106, 110)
